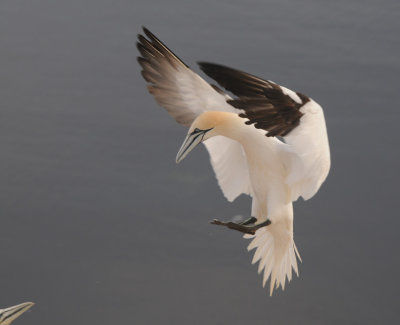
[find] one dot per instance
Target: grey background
(98, 224)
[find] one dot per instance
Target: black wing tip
(145, 29)
(204, 64)
(142, 39)
(221, 67)
(153, 38)
(159, 46)
(142, 48)
(141, 60)
(147, 32)
(141, 43)
(209, 66)
(305, 99)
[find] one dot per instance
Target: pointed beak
(191, 141)
(9, 314)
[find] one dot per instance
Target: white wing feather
(186, 95)
(230, 166)
(308, 161)
(182, 92)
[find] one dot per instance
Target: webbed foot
(242, 227)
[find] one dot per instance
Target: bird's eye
(196, 130)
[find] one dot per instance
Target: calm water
(98, 224)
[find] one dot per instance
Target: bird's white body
(309, 160)
(265, 168)
(271, 199)
(270, 164)
(246, 161)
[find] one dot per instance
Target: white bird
(9, 314)
(268, 142)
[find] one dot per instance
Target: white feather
(308, 158)
(275, 248)
(186, 95)
(278, 255)
(230, 166)
(291, 94)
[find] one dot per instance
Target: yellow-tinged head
(209, 120)
(205, 126)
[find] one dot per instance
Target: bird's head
(7, 315)
(203, 127)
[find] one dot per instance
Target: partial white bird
(268, 142)
(9, 314)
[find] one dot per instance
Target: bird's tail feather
(276, 253)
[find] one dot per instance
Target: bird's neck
(232, 126)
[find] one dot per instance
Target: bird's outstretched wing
(185, 95)
(265, 104)
(182, 92)
(282, 112)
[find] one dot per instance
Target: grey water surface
(99, 226)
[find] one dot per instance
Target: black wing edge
(277, 121)
(264, 103)
(155, 56)
(240, 83)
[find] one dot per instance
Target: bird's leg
(248, 221)
(242, 227)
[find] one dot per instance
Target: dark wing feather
(265, 104)
(238, 82)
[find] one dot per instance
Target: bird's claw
(218, 222)
(240, 227)
(235, 226)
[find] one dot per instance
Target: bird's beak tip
(191, 141)
(179, 159)
(10, 314)
(27, 304)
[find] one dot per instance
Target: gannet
(7, 315)
(267, 141)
